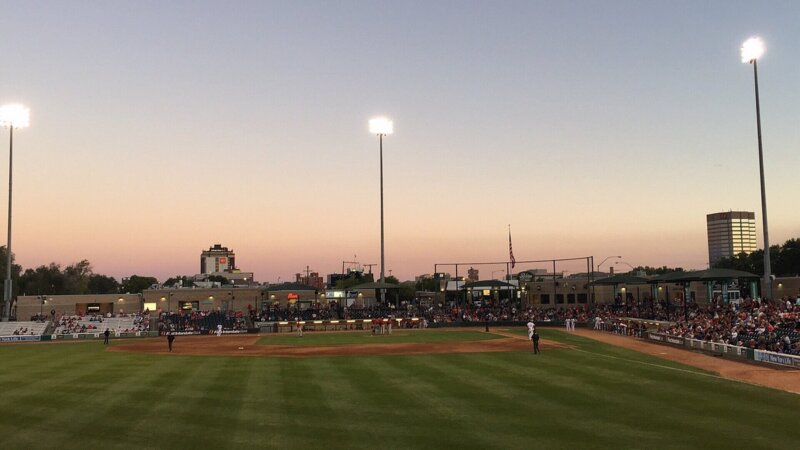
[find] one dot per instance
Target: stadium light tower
(382, 127)
(752, 49)
(11, 116)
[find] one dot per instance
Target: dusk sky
(594, 128)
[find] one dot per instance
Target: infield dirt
(230, 346)
(773, 377)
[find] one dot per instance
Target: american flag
(510, 249)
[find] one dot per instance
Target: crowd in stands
(21, 331)
(758, 324)
(202, 321)
(41, 318)
(316, 311)
(98, 323)
(761, 325)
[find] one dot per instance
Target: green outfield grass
(595, 396)
(366, 337)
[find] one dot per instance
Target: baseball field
(413, 389)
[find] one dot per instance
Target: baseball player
(531, 330)
(219, 329)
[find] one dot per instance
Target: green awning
(487, 284)
(621, 279)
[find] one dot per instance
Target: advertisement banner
(666, 339)
(776, 358)
(23, 338)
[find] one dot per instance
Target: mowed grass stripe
(408, 397)
(718, 402)
(560, 399)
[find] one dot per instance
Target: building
(472, 274)
(217, 259)
(730, 233)
(310, 279)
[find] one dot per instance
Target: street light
(623, 262)
(11, 116)
(603, 261)
(752, 49)
(382, 127)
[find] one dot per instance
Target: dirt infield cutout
(246, 345)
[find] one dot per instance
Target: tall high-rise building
(730, 233)
(217, 259)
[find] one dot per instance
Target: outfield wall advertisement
(777, 358)
(667, 339)
(727, 350)
(23, 338)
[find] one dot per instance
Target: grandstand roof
(291, 287)
(488, 284)
(620, 279)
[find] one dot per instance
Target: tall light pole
(382, 127)
(752, 49)
(11, 116)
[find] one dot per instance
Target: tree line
(75, 279)
(784, 260)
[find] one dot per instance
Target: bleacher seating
(23, 328)
(98, 324)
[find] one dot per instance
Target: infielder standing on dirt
(531, 330)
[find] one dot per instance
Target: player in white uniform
(531, 330)
(219, 329)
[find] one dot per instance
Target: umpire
(535, 339)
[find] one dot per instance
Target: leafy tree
(42, 280)
(407, 291)
(787, 262)
(657, 270)
(392, 280)
(427, 285)
(178, 279)
(102, 284)
(76, 278)
(218, 279)
(355, 279)
(136, 284)
(784, 260)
